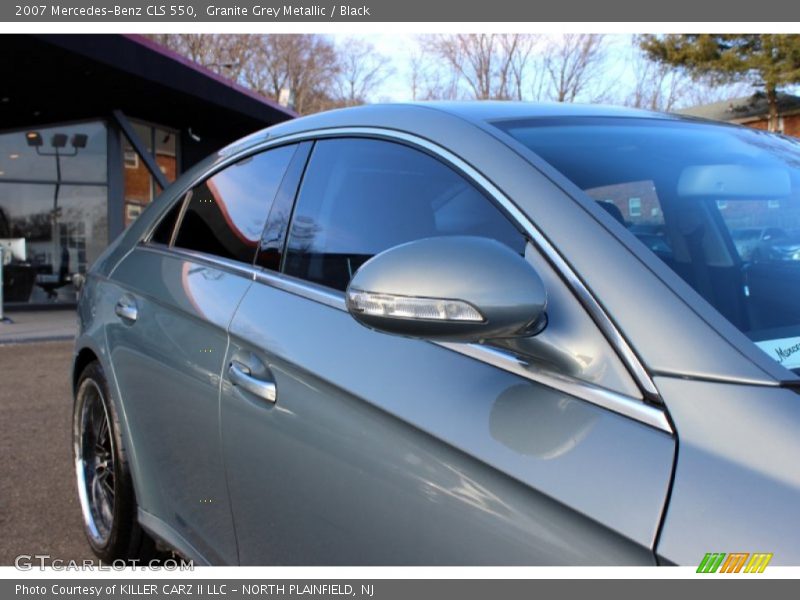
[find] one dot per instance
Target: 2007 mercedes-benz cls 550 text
(478, 333)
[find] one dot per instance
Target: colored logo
(735, 562)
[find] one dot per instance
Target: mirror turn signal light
(409, 307)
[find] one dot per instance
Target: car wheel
(105, 487)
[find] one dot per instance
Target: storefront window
(53, 209)
(21, 160)
(140, 186)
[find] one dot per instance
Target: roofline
(154, 46)
(765, 116)
(731, 117)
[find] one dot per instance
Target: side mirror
(458, 289)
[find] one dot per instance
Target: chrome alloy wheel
(94, 451)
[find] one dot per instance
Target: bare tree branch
(362, 70)
(483, 66)
(573, 63)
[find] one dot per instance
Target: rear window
(225, 215)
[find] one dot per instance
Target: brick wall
(791, 125)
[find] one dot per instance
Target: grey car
(428, 334)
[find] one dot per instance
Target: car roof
(478, 112)
(491, 110)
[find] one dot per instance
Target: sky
(619, 75)
(401, 46)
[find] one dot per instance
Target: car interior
(695, 187)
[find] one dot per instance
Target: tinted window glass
(163, 233)
(273, 239)
(635, 204)
(226, 214)
(360, 197)
(720, 205)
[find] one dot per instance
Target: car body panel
(484, 466)
(371, 430)
(737, 479)
(167, 367)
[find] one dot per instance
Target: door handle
(126, 309)
(240, 376)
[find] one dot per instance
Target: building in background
(752, 111)
(91, 128)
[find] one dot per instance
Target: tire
(105, 488)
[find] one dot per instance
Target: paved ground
(39, 511)
(41, 325)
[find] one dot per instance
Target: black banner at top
(471, 11)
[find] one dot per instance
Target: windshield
(719, 204)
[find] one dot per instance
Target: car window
(719, 204)
(273, 239)
(360, 197)
(225, 215)
(636, 206)
(163, 232)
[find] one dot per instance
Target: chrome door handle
(126, 309)
(240, 376)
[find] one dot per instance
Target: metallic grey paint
(485, 274)
(386, 450)
(737, 481)
(338, 432)
(168, 366)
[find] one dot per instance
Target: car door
(366, 448)
(175, 295)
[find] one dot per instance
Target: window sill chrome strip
(632, 408)
(225, 264)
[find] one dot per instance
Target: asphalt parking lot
(39, 511)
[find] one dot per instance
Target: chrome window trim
(187, 198)
(633, 408)
(303, 288)
(226, 264)
(585, 297)
(638, 409)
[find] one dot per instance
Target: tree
(428, 79)
(304, 66)
(656, 86)
(572, 64)
(224, 54)
(416, 74)
(361, 71)
(309, 71)
(769, 61)
(482, 65)
(520, 50)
